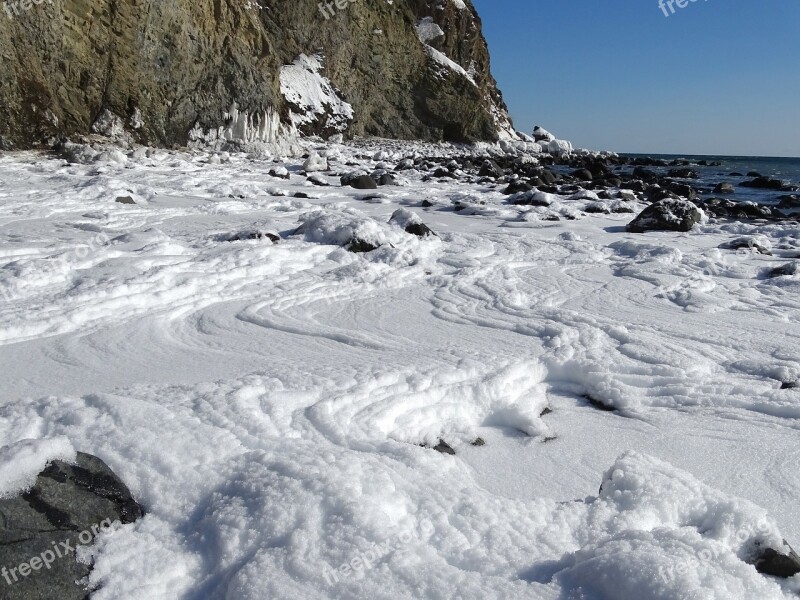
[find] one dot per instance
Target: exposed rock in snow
(667, 215)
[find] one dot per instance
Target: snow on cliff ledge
(311, 95)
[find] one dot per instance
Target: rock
(756, 243)
(317, 179)
(315, 163)
(410, 223)
(771, 562)
(655, 193)
(540, 134)
(443, 173)
(789, 385)
(279, 172)
(359, 246)
(359, 181)
(787, 270)
(765, 183)
(125, 200)
(583, 175)
(724, 188)
(682, 174)
(754, 174)
(478, 442)
(789, 201)
(160, 85)
(387, 179)
(491, 169)
(667, 215)
(404, 165)
(515, 187)
(719, 207)
(249, 234)
(644, 174)
(66, 508)
(532, 198)
(444, 448)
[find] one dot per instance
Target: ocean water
(786, 169)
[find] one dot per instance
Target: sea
(786, 169)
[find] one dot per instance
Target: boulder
(783, 564)
(410, 223)
(667, 215)
(65, 509)
(724, 188)
(491, 169)
(359, 181)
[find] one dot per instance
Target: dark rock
(359, 182)
(444, 448)
(724, 188)
(517, 186)
(787, 270)
(666, 215)
(771, 562)
(718, 207)
(360, 246)
(279, 172)
(765, 183)
(754, 174)
(682, 190)
(66, 508)
(655, 193)
(317, 179)
(478, 442)
(599, 404)
(300, 195)
(419, 230)
(644, 174)
(683, 174)
(444, 173)
(789, 385)
(583, 175)
(789, 201)
(125, 200)
(736, 174)
(491, 169)
(426, 204)
(240, 236)
(387, 179)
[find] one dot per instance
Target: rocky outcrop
(246, 70)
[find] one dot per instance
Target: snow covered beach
(274, 406)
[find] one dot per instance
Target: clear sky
(716, 77)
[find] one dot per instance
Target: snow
(22, 461)
(312, 96)
(270, 404)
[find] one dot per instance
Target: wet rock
(515, 187)
(279, 172)
(491, 169)
(724, 188)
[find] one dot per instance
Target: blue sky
(716, 77)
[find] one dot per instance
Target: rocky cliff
(168, 71)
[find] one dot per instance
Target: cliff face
(169, 70)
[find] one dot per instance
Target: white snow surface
(23, 460)
(270, 404)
